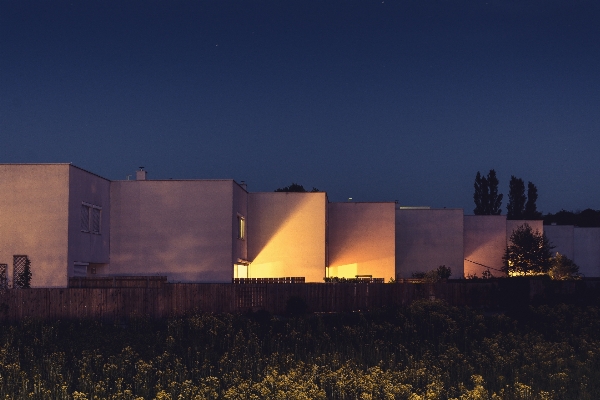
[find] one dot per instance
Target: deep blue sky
(374, 100)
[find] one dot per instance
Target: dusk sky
(374, 100)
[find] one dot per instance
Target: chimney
(140, 175)
(243, 185)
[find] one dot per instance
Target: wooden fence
(159, 300)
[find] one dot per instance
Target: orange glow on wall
(361, 240)
(287, 235)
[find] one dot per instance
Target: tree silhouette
(487, 199)
(519, 206)
(515, 208)
(531, 211)
(294, 187)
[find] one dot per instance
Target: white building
(69, 222)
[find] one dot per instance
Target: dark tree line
(294, 187)
(489, 202)
(587, 218)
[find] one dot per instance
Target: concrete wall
(428, 238)
(34, 207)
(561, 237)
(182, 229)
(582, 245)
(86, 247)
(484, 244)
(587, 251)
(361, 239)
(286, 235)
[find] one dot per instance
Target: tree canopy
(529, 253)
(563, 268)
(294, 187)
(487, 199)
(587, 218)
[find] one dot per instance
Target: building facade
(66, 222)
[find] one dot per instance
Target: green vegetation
(426, 351)
(528, 253)
(563, 268)
(435, 275)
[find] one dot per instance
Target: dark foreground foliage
(426, 351)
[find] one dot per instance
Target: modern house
(68, 222)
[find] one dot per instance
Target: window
(85, 218)
(241, 227)
(91, 218)
(95, 220)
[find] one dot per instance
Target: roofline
(89, 172)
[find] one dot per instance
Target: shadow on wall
(286, 235)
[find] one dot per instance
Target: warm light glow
(343, 271)
(293, 250)
(241, 227)
(240, 271)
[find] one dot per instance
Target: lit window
(241, 227)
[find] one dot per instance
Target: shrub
(563, 268)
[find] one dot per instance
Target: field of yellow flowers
(428, 350)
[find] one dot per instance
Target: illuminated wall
(34, 215)
(361, 239)
(286, 235)
(182, 229)
(484, 243)
(428, 238)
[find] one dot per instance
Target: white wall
(484, 243)
(582, 245)
(34, 207)
(361, 239)
(87, 247)
(178, 228)
(561, 237)
(286, 235)
(428, 238)
(587, 251)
